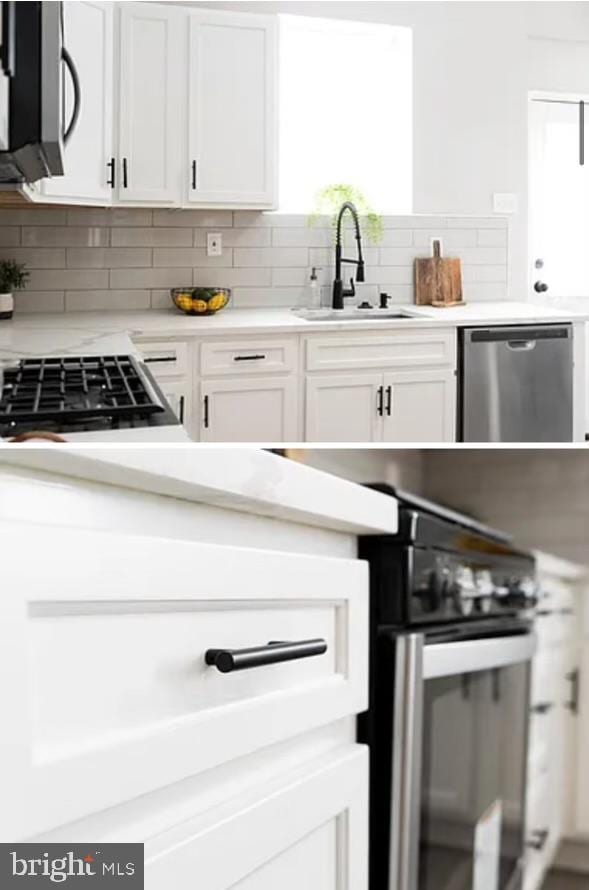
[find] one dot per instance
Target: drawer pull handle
(542, 707)
(544, 613)
(164, 358)
(538, 839)
(228, 660)
(573, 678)
(248, 358)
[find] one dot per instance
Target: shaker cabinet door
(309, 830)
(262, 409)
(231, 109)
(419, 406)
(344, 408)
(88, 37)
(151, 95)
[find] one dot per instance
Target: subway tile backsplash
(109, 259)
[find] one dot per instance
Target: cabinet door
(343, 408)
(419, 406)
(310, 830)
(177, 393)
(231, 109)
(253, 410)
(88, 33)
(151, 95)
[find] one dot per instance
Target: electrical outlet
(504, 202)
(214, 244)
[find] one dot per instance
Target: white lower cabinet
(401, 406)
(310, 830)
(261, 409)
(343, 408)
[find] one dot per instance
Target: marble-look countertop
(75, 332)
(246, 479)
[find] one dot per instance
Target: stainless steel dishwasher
(516, 384)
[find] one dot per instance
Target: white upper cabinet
(88, 32)
(151, 98)
(232, 63)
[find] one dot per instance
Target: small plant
(13, 276)
(329, 200)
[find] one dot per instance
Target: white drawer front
(309, 831)
(380, 351)
(247, 357)
(117, 699)
(165, 358)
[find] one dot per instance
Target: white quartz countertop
(245, 479)
(89, 332)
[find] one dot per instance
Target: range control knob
(465, 591)
(521, 594)
(485, 590)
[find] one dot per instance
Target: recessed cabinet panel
(151, 96)
(310, 831)
(111, 696)
(343, 408)
(249, 410)
(391, 350)
(88, 37)
(421, 406)
(231, 109)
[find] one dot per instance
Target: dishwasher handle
(519, 335)
(521, 345)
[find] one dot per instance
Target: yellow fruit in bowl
(217, 302)
(199, 305)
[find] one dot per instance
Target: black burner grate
(76, 388)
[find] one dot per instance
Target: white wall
(470, 90)
(400, 467)
(540, 495)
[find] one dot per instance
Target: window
(559, 187)
(345, 112)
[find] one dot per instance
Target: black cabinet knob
(540, 287)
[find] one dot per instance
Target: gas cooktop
(79, 394)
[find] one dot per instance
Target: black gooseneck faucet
(339, 291)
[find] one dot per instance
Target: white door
(253, 410)
(344, 408)
(151, 98)
(88, 37)
(419, 406)
(231, 109)
(309, 831)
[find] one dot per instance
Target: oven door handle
(470, 656)
(406, 763)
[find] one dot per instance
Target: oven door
(448, 787)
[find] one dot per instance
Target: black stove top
(80, 394)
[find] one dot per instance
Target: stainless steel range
(80, 394)
(451, 644)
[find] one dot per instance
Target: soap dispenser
(313, 295)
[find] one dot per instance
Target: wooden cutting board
(438, 280)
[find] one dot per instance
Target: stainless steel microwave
(33, 65)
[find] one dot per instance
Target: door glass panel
(559, 189)
(473, 775)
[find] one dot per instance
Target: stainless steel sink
(351, 314)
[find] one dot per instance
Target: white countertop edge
(244, 479)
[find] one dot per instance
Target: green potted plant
(329, 200)
(13, 276)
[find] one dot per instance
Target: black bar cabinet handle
(205, 406)
(538, 839)
(542, 707)
(160, 360)
(181, 409)
(111, 166)
(380, 401)
(125, 178)
(574, 678)
(194, 180)
(389, 404)
(229, 660)
(248, 358)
